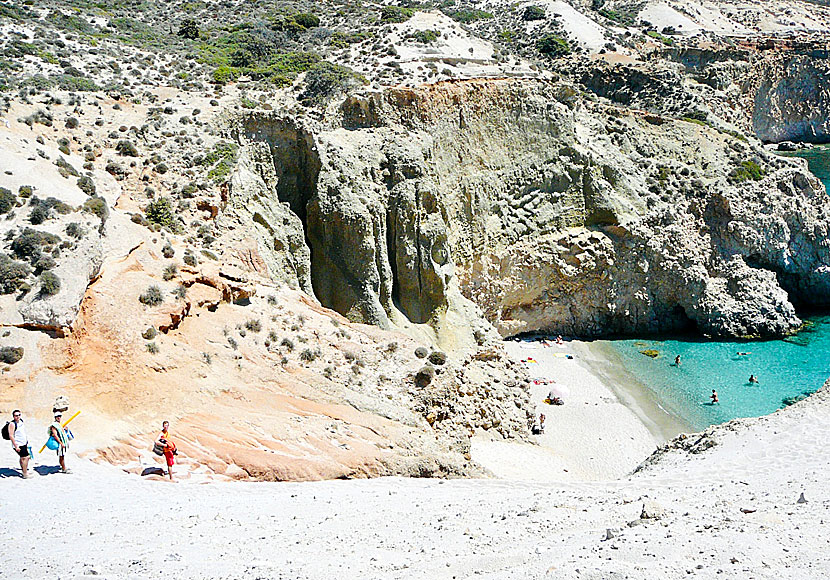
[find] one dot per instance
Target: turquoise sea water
(785, 368)
(818, 160)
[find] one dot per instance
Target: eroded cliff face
(777, 90)
(541, 210)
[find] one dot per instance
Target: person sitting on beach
(559, 339)
(753, 379)
(539, 426)
(714, 397)
(557, 401)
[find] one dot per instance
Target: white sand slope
(735, 18)
(580, 28)
(729, 512)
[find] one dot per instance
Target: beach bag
(6, 432)
(158, 448)
(53, 444)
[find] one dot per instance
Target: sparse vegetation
(160, 211)
(8, 200)
(152, 348)
(11, 354)
(747, 171)
(253, 325)
(12, 274)
(50, 284)
(533, 13)
(170, 272)
(553, 45)
(149, 334)
(152, 296)
(395, 14)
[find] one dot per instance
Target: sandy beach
(573, 446)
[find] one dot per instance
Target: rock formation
(546, 211)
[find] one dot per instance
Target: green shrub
(657, 36)
(189, 29)
(152, 348)
(306, 20)
(437, 357)
(25, 191)
(39, 214)
(45, 262)
(126, 149)
(287, 343)
(395, 14)
(160, 211)
(75, 230)
(425, 36)
(253, 325)
(190, 259)
(86, 185)
(98, 207)
(225, 74)
(327, 79)
(12, 274)
(28, 245)
(533, 13)
(747, 171)
(65, 169)
(466, 16)
(50, 284)
(11, 354)
(149, 334)
(152, 296)
(8, 200)
(310, 355)
(553, 45)
(170, 272)
(180, 292)
(74, 83)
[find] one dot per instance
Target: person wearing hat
(58, 433)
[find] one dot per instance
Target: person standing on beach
(169, 448)
(714, 397)
(58, 433)
(20, 442)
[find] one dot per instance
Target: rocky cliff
(543, 209)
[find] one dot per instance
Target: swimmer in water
(714, 397)
(677, 361)
(753, 379)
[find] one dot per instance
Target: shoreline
(606, 364)
(573, 448)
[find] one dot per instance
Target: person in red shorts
(169, 447)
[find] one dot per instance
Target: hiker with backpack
(15, 432)
(58, 433)
(167, 448)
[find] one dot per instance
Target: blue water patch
(786, 368)
(818, 160)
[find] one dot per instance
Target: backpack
(158, 448)
(5, 431)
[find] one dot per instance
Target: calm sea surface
(785, 368)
